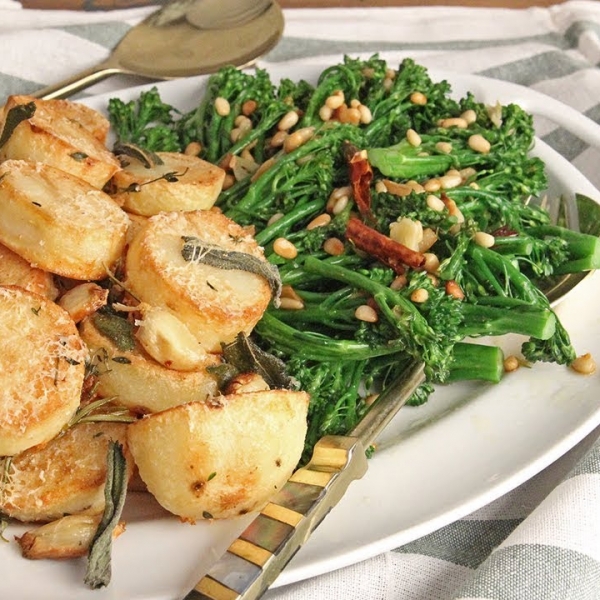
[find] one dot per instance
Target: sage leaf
(14, 117)
(99, 570)
(248, 357)
(146, 157)
(115, 328)
(195, 250)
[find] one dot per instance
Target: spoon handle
(78, 82)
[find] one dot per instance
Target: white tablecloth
(541, 540)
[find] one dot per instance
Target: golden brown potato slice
(194, 184)
(222, 458)
(214, 303)
(139, 382)
(58, 222)
(15, 270)
(64, 476)
(42, 362)
(63, 136)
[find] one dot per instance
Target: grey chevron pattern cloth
(540, 541)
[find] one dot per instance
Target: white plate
(467, 446)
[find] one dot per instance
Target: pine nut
(290, 304)
(193, 149)
(432, 185)
(265, 166)
(398, 189)
(248, 107)
(511, 363)
(288, 120)
(413, 138)
(335, 100)
(429, 239)
(453, 289)
(444, 147)
(298, 138)
(470, 116)
(319, 221)
(467, 173)
(435, 203)
(370, 399)
(399, 282)
(419, 295)
(228, 181)
(454, 122)
(450, 181)
(366, 313)
(287, 291)
(380, 187)
(336, 194)
(243, 122)
(222, 106)
(483, 239)
(285, 249)
(348, 115)
(432, 262)
(584, 364)
(235, 134)
(325, 113)
(418, 98)
(274, 218)
(478, 143)
(365, 114)
(387, 83)
(415, 186)
(354, 103)
(390, 73)
(278, 139)
(340, 205)
(333, 246)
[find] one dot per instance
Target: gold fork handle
(261, 552)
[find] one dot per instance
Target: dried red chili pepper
(361, 175)
(391, 253)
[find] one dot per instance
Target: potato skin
(64, 476)
(42, 362)
(224, 458)
(215, 304)
(142, 384)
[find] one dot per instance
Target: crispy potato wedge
(215, 304)
(222, 458)
(64, 476)
(15, 270)
(194, 185)
(42, 362)
(58, 222)
(139, 382)
(62, 135)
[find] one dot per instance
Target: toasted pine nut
(333, 246)
(235, 134)
(222, 106)
(193, 149)
(248, 107)
(298, 138)
(319, 221)
(366, 313)
(355, 103)
(429, 239)
(444, 147)
(418, 98)
(325, 113)
(478, 143)
(336, 194)
(365, 114)
(450, 181)
(413, 138)
(511, 363)
(432, 262)
(387, 83)
(453, 289)
(432, 185)
(390, 73)
(340, 205)
(228, 181)
(399, 282)
(584, 364)
(454, 122)
(467, 173)
(290, 304)
(285, 248)
(415, 186)
(243, 122)
(274, 218)
(420, 295)
(335, 100)
(349, 115)
(470, 116)
(435, 203)
(287, 291)
(398, 189)
(484, 239)
(380, 187)
(265, 166)
(278, 139)
(288, 120)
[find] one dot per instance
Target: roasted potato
(64, 476)
(139, 382)
(70, 138)
(181, 182)
(221, 458)
(58, 222)
(214, 303)
(42, 362)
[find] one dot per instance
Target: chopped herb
(211, 476)
(122, 360)
(147, 158)
(35, 203)
(14, 117)
(206, 515)
(36, 311)
(117, 329)
(79, 156)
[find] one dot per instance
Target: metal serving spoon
(255, 559)
(185, 38)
